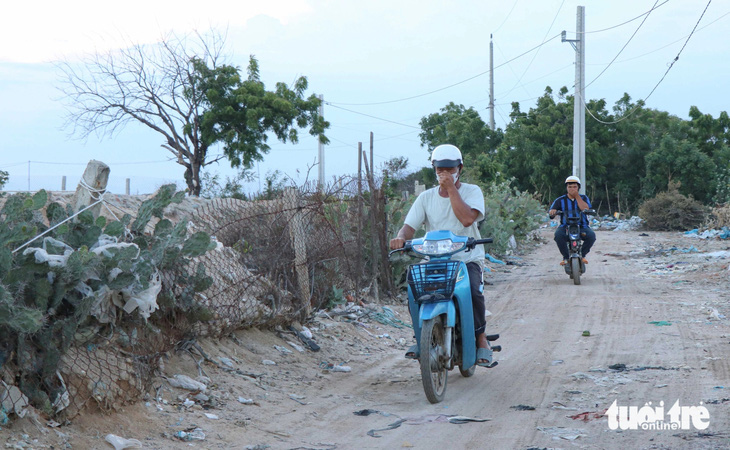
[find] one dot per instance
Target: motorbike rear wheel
(575, 268)
(434, 373)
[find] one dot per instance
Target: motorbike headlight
(439, 247)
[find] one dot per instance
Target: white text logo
(654, 418)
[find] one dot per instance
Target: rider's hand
(397, 243)
(445, 179)
(552, 212)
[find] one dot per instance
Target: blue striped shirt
(570, 208)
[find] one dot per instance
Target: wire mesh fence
(274, 261)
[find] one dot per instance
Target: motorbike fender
(432, 310)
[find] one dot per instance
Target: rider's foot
(564, 262)
(412, 352)
(585, 261)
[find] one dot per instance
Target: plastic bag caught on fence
(145, 300)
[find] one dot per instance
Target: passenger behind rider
(572, 204)
(457, 207)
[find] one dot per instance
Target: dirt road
(551, 388)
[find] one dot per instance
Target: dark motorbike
(575, 266)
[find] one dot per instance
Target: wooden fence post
(299, 244)
(91, 187)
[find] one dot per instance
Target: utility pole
(579, 112)
(321, 147)
(491, 83)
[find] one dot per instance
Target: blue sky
(364, 58)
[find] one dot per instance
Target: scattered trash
(367, 412)
(586, 333)
(296, 347)
(211, 416)
(188, 403)
(556, 362)
(661, 385)
(523, 408)
(185, 382)
(120, 443)
(494, 260)
(268, 362)
(282, 349)
(718, 387)
(438, 418)
(191, 434)
(228, 362)
(569, 434)
(619, 367)
(333, 368)
(307, 340)
(246, 401)
(298, 399)
(588, 415)
(660, 323)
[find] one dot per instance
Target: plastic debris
(523, 408)
(246, 401)
(268, 362)
(228, 362)
(493, 259)
(569, 434)
(211, 416)
(121, 443)
(586, 333)
(282, 349)
(185, 382)
(195, 434)
(660, 323)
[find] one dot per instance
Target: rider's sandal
(487, 356)
(564, 262)
(585, 261)
(412, 352)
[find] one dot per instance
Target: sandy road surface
(547, 364)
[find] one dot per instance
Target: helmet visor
(447, 163)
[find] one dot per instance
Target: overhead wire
(628, 21)
(538, 50)
(676, 58)
(445, 87)
(622, 48)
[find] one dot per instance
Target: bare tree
(181, 88)
(150, 84)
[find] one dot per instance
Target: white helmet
(446, 155)
(572, 179)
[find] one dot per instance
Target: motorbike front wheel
(433, 360)
(575, 268)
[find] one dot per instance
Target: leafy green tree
(679, 161)
(3, 178)
(182, 89)
(464, 128)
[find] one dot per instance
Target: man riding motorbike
(457, 207)
(572, 204)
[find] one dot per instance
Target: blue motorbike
(439, 301)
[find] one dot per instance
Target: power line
(628, 21)
(505, 19)
(535, 55)
(676, 58)
(446, 87)
(622, 48)
(669, 44)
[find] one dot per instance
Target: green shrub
(672, 211)
(508, 212)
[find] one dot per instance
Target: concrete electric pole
(579, 112)
(491, 83)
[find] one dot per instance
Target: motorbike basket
(434, 281)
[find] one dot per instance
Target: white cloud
(48, 30)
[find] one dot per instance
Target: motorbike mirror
(590, 212)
